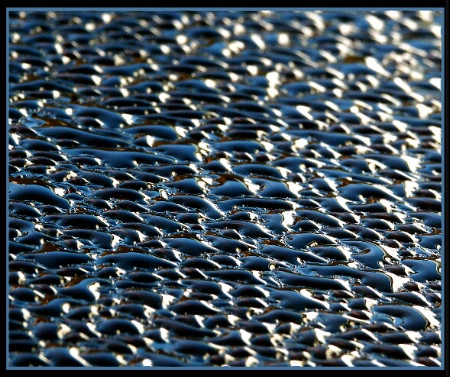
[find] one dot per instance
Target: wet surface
(218, 188)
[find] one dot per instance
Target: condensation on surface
(225, 188)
